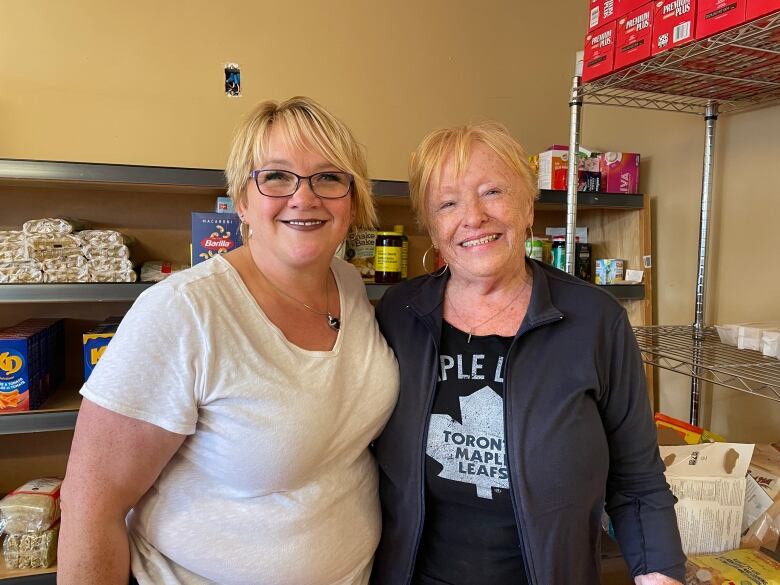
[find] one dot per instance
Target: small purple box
(619, 172)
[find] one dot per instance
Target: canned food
(534, 248)
(559, 252)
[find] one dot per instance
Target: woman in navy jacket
(523, 406)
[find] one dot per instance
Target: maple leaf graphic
(472, 451)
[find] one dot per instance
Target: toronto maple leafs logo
(472, 451)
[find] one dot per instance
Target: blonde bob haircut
(305, 125)
(435, 149)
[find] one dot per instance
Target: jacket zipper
(516, 504)
(428, 406)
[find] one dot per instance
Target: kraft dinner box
(95, 342)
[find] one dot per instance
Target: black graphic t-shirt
(470, 534)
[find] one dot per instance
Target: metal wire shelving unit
(736, 70)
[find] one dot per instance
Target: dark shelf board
(72, 293)
(625, 292)
(63, 173)
(592, 200)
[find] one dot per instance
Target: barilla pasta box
(599, 57)
(714, 16)
(673, 24)
(96, 341)
(31, 363)
(214, 233)
(634, 36)
(758, 8)
(601, 12)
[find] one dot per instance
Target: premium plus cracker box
(673, 24)
(634, 36)
(714, 16)
(599, 58)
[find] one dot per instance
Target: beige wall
(142, 83)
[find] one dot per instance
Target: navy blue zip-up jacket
(579, 433)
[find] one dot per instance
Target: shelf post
(710, 117)
(575, 105)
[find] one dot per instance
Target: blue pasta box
(96, 341)
(213, 234)
(32, 363)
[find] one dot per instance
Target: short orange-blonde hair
(435, 149)
(305, 124)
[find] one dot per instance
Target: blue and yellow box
(214, 233)
(96, 341)
(32, 363)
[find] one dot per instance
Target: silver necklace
(333, 321)
(493, 316)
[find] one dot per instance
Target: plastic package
(20, 272)
(65, 274)
(770, 343)
(102, 238)
(157, 270)
(93, 251)
(50, 225)
(13, 252)
(749, 334)
(33, 507)
(113, 276)
(108, 264)
(72, 261)
(34, 550)
(764, 532)
(11, 236)
(45, 247)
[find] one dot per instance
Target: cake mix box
(619, 172)
(673, 24)
(609, 270)
(634, 36)
(95, 342)
(214, 233)
(714, 16)
(31, 363)
(599, 58)
(758, 8)
(601, 12)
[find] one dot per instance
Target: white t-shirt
(274, 484)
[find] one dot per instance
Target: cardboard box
(95, 341)
(599, 57)
(674, 24)
(32, 363)
(626, 6)
(758, 8)
(634, 36)
(224, 205)
(714, 16)
(214, 233)
(765, 468)
(609, 270)
(736, 566)
(619, 172)
(601, 12)
(709, 483)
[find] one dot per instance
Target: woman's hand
(655, 579)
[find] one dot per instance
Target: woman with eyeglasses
(232, 412)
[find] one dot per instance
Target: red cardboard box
(759, 8)
(674, 24)
(634, 36)
(601, 12)
(714, 16)
(599, 59)
(626, 6)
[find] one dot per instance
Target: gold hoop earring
(436, 273)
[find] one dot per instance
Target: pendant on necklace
(334, 322)
(469, 339)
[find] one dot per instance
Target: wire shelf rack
(738, 69)
(677, 348)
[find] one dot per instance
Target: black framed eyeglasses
(326, 185)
